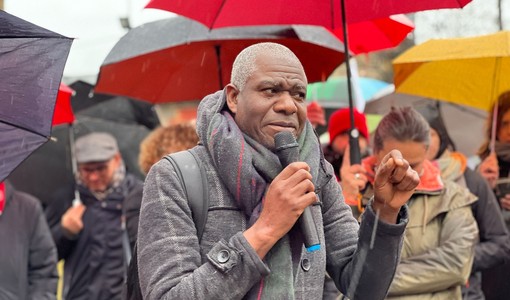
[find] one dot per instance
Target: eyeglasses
(88, 170)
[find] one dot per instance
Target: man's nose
(286, 104)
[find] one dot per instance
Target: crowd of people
(411, 221)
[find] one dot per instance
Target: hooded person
(493, 248)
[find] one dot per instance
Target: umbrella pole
(74, 164)
(355, 153)
(218, 58)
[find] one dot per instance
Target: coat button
(223, 256)
(305, 264)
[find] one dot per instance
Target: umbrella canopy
(462, 122)
(378, 34)
(189, 61)
(32, 60)
(224, 13)
(63, 113)
(55, 158)
(333, 92)
(470, 71)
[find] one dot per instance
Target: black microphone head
(284, 140)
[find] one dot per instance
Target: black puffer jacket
(94, 260)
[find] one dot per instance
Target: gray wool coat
(174, 265)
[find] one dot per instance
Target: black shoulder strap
(188, 168)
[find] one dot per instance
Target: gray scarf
(254, 167)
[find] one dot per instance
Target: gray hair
(244, 64)
(402, 124)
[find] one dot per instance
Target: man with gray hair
(250, 248)
(440, 238)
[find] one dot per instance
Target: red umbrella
(383, 33)
(224, 13)
(190, 61)
(63, 113)
(327, 13)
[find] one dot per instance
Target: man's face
(414, 152)
(272, 100)
(98, 176)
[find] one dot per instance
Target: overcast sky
(95, 25)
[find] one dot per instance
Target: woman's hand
(489, 169)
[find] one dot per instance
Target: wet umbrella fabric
(54, 157)
(32, 60)
(63, 113)
(189, 61)
(327, 13)
(378, 34)
(469, 71)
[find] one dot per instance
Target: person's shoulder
(26, 201)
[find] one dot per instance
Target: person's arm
(494, 246)
(61, 202)
(42, 268)
(169, 260)
(445, 266)
(361, 259)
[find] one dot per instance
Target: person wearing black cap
(89, 234)
(494, 245)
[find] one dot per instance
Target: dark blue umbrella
(32, 60)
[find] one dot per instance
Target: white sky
(94, 24)
(96, 27)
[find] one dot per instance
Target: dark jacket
(494, 246)
(94, 260)
(28, 257)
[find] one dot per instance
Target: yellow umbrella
(468, 71)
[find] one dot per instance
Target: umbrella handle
(354, 149)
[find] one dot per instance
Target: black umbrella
(179, 59)
(49, 168)
(32, 60)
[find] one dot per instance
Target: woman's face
(435, 143)
(503, 133)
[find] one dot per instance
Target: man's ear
(232, 93)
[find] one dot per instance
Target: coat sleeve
(169, 260)
(494, 246)
(42, 268)
(447, 265)
(54, 212)
(361, 260)
(132, 204)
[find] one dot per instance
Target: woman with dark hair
(493, 247)
(495, 168)
(438, 245)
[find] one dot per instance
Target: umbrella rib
(24, 128)
(217, 14)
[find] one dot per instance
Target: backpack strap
(188, 169)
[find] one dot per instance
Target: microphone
(287, 150)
